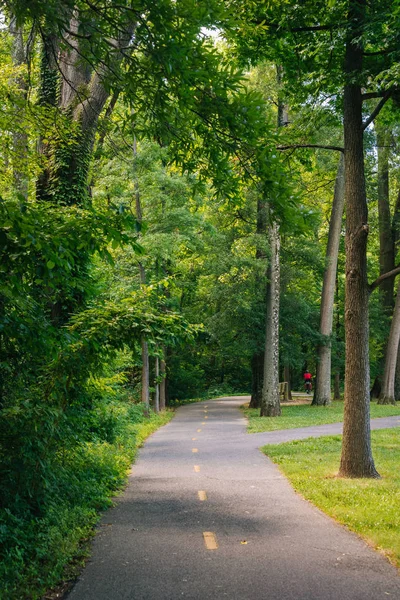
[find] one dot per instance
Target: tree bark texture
(270, 406)
(356, 458)
(78, 90)
(322, 392)
(387, 395)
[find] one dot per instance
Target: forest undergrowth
(40, 550)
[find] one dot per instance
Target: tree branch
(382, 278)
(377, 109)
(294, 146)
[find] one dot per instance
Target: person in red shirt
(307, 381)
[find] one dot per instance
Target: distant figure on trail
(307, 381)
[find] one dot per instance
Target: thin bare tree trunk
(386, 242)
(288, 379)
(145, 392)
(336, 387)
(163, 383)
(322, 393)
(270, 406)
(356, 458)
(387, 395)
(157, 386)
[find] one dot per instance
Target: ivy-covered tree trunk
(79, 92)
(356, 458)
(270, 406)
(387, 395)
(322, 393)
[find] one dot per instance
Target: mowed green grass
(370, 507)
(305, 415)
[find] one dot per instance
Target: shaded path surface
(271, 544)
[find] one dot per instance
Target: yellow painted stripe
(210, 540)
(194, 450)
(194, 439)
(206, 417)
(203, 423)
(198, 430)
(206, 411)
(202, 495)
(197, 468)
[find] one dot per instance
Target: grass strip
(369, 507)
(305, 415)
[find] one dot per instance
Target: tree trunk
(336, 387)
(270, 406)
(163, 384)
(356, 458)
(386, 242)
(287, 378)
(322, 393)
(145, 394)
(157, 386)
(387, 395)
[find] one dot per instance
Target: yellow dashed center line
(206, 417)
(194, 439)
(198, 431)
(210, 540)
(202, 495)
(194, 450)
(203, 423)
(197, 468)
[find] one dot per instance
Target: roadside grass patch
(369, 507)
(305, 415)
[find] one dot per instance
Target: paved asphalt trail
(272, 545)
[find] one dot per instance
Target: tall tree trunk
(157, 386)
(322, 393)
(145, 392)
(257, 360)
(336, 387)
(356, 458)
(270, 406)
(163, 382)
(387, 395)
(386, 242)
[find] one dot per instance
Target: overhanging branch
(294, 146)
(383, 277)
(377, 109)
